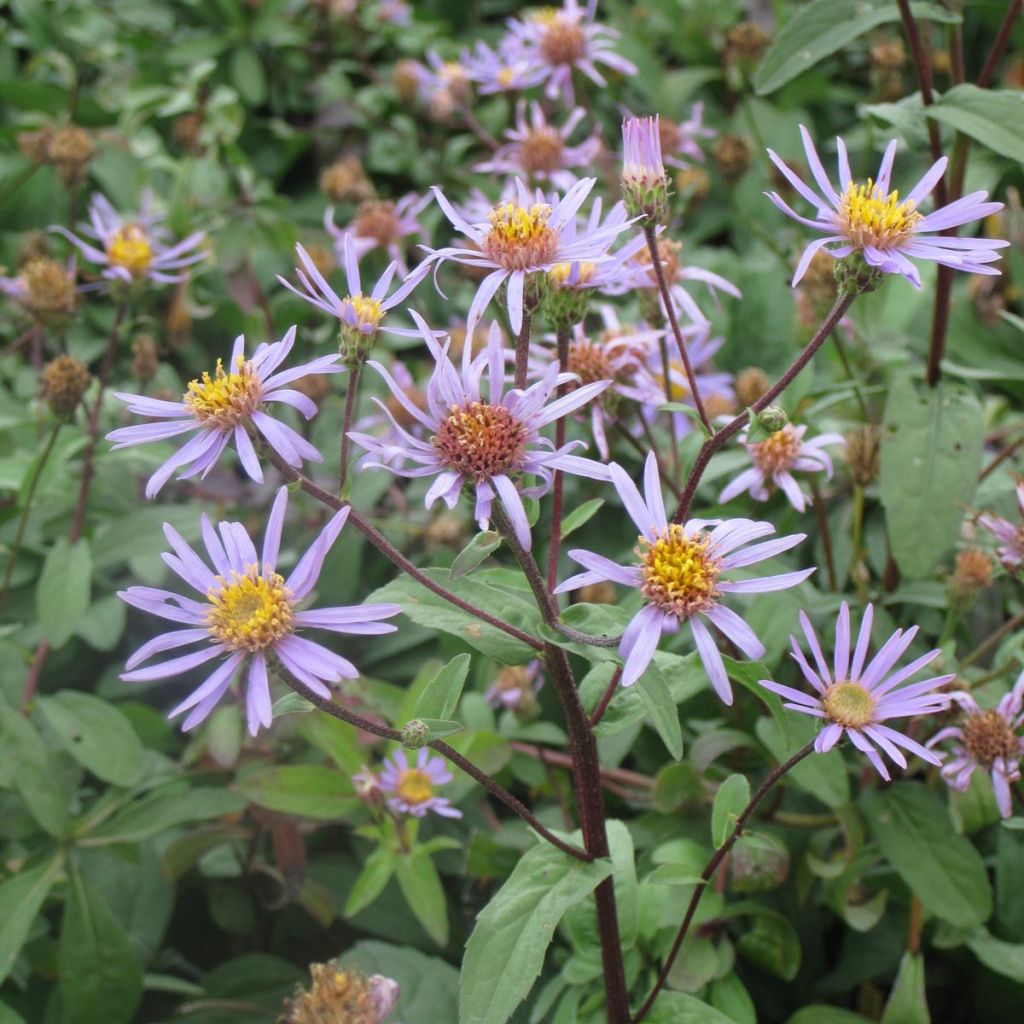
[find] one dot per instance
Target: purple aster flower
(679, 576)
(358, 314)
(857, 696)
(483, 442)
(557, 40)
(515, 687)
(869, 219)
(775, 460)
(130, 249)
(225, 406)
(1011, 550)
(522, 237)
(248, 612)
(641, 152)
(681, 137)
(541, 151)
(411, 788)
(380, 223)
(989, 740)
(494, 72)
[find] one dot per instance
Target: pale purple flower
(521, 237)
(380, 223)
(227, 406)
(410, 788)
(515, 685)
(679, 575)
(247, 613)
(356, 312)
(539, 150)
(776, 458)
(1011, 550)
(493, 72)
(988, 740)
(681, 137)
(641, 152)
(477, 440)
(858, 697)
(132, 248)
(557, 40)
(887, 231)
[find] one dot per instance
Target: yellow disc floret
(130, 248)
(849, 703)
(679, 572)
(225, 399)
(520, 237)
(249, 612)
(867, 217)
(414, 786)
(361, 312)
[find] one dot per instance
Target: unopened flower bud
(407, 76)
(645, 185)
(145, 358)
(732, 154)
(745, 44)
(345, 181)
(71, 150)
(415, 734)
(863, 453)
(855, 276)
(566, 299)
(772, 418)
(340, 995)
(63, 383)
(750, 385)
(888, 54)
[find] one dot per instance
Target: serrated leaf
(474, 553)
(989, 116)
(732, 797)
(62, 594)
(440, 697)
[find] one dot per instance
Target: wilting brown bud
(71, 150)
(406, 76)
(345, 181)
(145, 358)
(819, 280)
(34, 246)
(972, 574)
(341, 995)
(692, 184)
(457, 336)
(745, 44)
(598, 593)
(718, 405)
(942, 63)
(888, 54)
(863, 453)
(186, 131)
(46, 289)
(750, 385)
(732, 154)
(63, 383)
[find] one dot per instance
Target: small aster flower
(340, 995)
(541, 151)
(681, 137)
(410, 789)
(775, 460)
(380, 223)
(515, 688)
(248, 613)
(482, 442)
(1011, 550)
(557, 40)
(133, 248)
(857, 696)
(522, 237)
(988, 740)
(869, 219)
(225, 407)
(679, 575)
(493, 71)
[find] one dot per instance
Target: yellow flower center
(520, 238)
(558, 275)
(988, 735)
(679, 575)
(367, 312)
(675, 386)
(778, 451)
(130, 248)
(225, 399)
(541, 151)
(867, 217)
(505, 76)
(250, 612)
(481, 440)
(849, 704)
(414, 786)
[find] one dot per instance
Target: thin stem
(712, 866)
(523, 349)
(651, 235)
(564, 336)
(734, 426)
(666, 368)
(562, 760)
(642, 452)
(826, 534)
(496, 790)
(35, 671)
(19, 534)
(380, 542)
(351, 398)
(999, 459)
(999, 46)
(606, 697)
(850, 376)
(992, 639)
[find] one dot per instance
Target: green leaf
(732, 797)
(906, 1003)
(307, 790)
(989, 116)
(772, 944)
(821, 1014)
(100, 973)
(474, 553)
(421, 886)
(1005, 958)
(21, 898)
(248, 76)
(96, 734)
(946, 872)
(103, 624)
(820, 29)
(441, 727)
(580, 515)
(440, 697)
(658, 702)
(8, 1016)
(428, 986)
(931, 455)
(376, 874)
(505, 953)
(822, 775)
(680, 1008)
(62, 594)
(25, 763)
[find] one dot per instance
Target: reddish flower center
(563, 41)
(481, 440)
(541, 151)
(590, 361)
(778, 451)
(377, 220)
(520, 238)
(988, 736)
